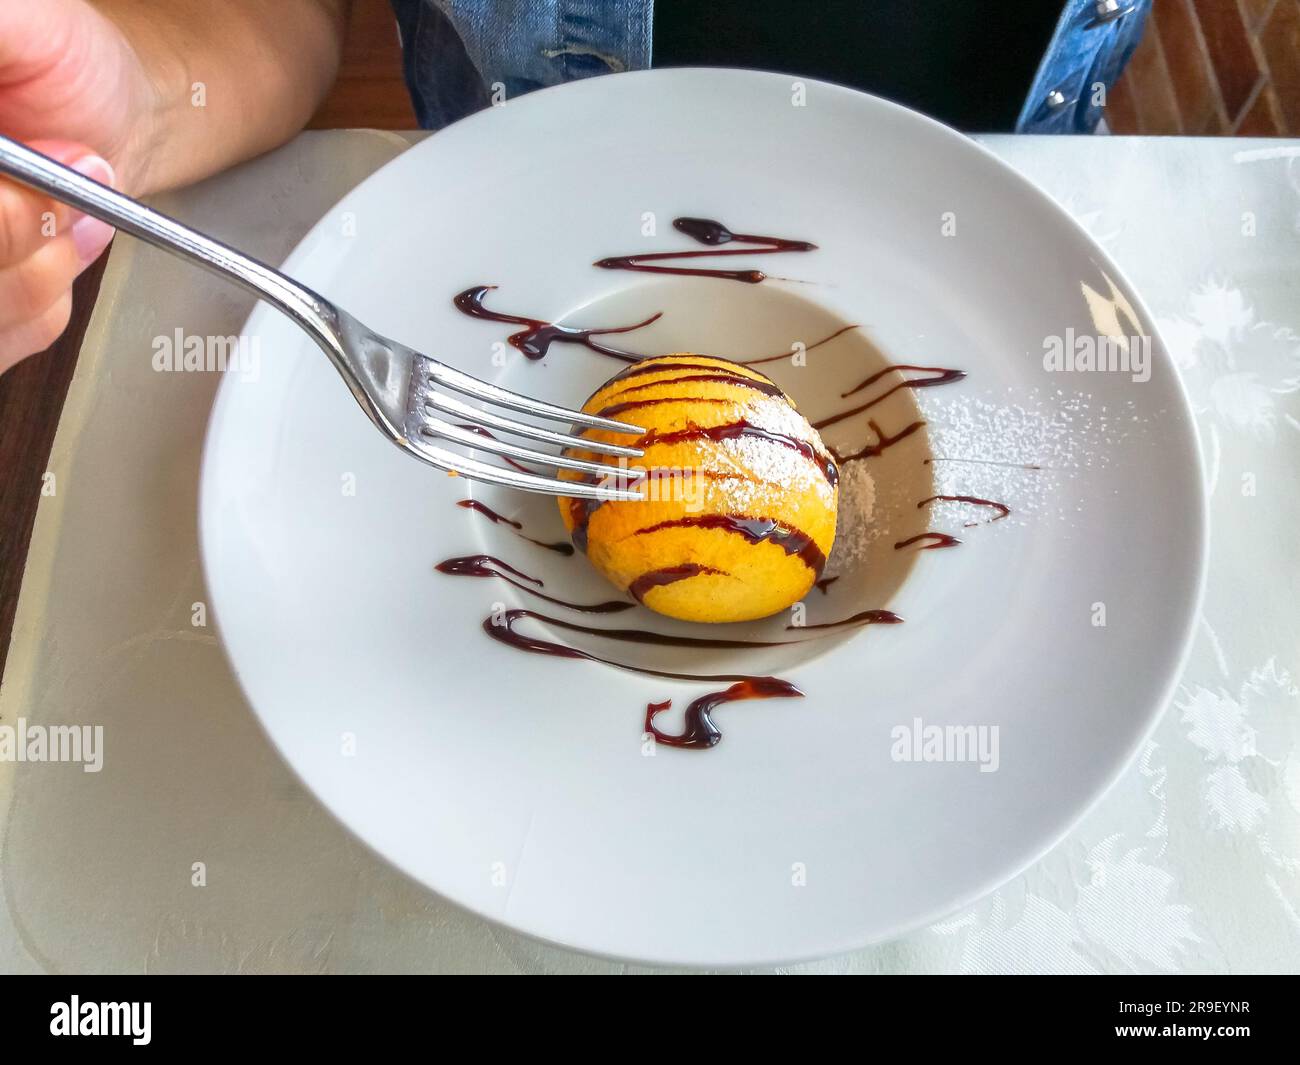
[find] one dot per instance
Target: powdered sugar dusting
(855, 528)
(990, 446)
(767, 461)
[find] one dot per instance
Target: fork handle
(40, 172)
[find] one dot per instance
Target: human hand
(71, 86)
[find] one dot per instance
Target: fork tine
(474, 470)
(438, 427)
(451, 405)
(472, 386)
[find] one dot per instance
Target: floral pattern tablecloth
(1191, 864)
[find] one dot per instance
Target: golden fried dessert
(738, 514)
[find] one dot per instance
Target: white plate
(519, 785)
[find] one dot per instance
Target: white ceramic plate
(519, 785)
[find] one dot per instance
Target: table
(199, 850)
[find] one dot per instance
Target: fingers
(28, 218)
(28, 288)
(27, 221)
(35, 334)
(43, 247)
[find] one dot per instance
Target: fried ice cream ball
(739, 493)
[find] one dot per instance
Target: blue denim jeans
(461, 54)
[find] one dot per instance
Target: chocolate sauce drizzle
(1002, 509)
(536, 339)
(717, 375)
(938, 540)
(490, 566)
(741, 429)
(698, 729)
(479, 507)
(636, 404)
(866, 617)
(581, 510)
(652, 364)
(883, 442)
(824, 585)
(658, 578)
(502, 629)
(780, 355)
(792, 541)
(942, 377)
(700, 732)
(712, 233)
(765, 386)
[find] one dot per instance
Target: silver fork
(403, 392)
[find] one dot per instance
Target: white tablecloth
(1192, 863)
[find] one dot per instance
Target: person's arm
(145, 95)
(230, 79)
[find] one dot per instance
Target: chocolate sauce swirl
(756, 530)
(535, 340)
(865, 617)
(658, 578)
(883, 442)
(490, 566)
(712, 233)
(943, 377)
(937, 539)
(503, 629)
(742, 429)
(654, 364)
(615, 409)
(780, 355)
(764, 386)
(698, 729)
(479, 507)
(1002, 509)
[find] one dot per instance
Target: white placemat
(195, 849)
